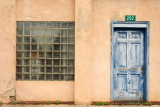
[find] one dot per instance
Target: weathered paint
(128, 62)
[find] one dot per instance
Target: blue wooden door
(128, 64)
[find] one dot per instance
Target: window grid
(45, 50)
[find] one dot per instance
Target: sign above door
(130, 18)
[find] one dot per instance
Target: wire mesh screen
(45, 50)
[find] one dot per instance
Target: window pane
(26, 39)
(64, 55)
(26, 47)
(26, 32)
(19, 69)
(26, 77)
(41, 47)
(41, 54)
(19, 62)
(56, 70)
(35, 32)
(71, 25)
(56, 24)
(42, 25)
(41, 32)
(34, 39)
(41, 77)
(71, 62)
(19, 39)
(26, 61)
(49, 39)
(26, 69)
(71, 32)
(64, 32)
(19, 76)
(19, 32)
(48, 32)
(26, 54)
(34, 24)
(48, 77)
(64, 77)
(49, 25)
(56, 77)
(64, 70)
(49, 47)
(56, 32)
(63, 47)
(63, 62)
(19, 55)
(71, 40)
(49, 69)
(56, 39)
(71, 70)
(49, 54)
(19, 47)
(26, 24)
(56, 47)
(70, 77)
(71, 47)
(34, 76)
(56, 62)
(41, 39)
(34, 47)
(56, 55)
(19, 24)
(64, 40)
(64, 24)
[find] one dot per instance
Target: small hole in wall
(12, 98)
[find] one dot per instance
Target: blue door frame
(131, 25)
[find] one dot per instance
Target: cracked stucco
(7, 50)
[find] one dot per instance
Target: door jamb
(131, 24)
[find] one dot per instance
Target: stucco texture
(45, 91)
(105, 11)
(83, 51)
(44, 10)
(7, 49)
(92, 47)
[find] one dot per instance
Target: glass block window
(45, 51)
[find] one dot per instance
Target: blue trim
(146, 54)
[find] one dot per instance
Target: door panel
(128, 64)
(121, 57)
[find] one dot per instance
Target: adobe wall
(7, 49)
(105, 11)
(45, 10)
(92, 47)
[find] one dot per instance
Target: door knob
(142, 68)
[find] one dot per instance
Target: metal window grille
(45, 50)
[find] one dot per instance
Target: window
(45, 50)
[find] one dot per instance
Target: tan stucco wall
(45, 91)
(45, 10)
(7, 49)
(83, 51)
(93, 47)
(105, 11)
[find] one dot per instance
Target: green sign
(130, 18)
